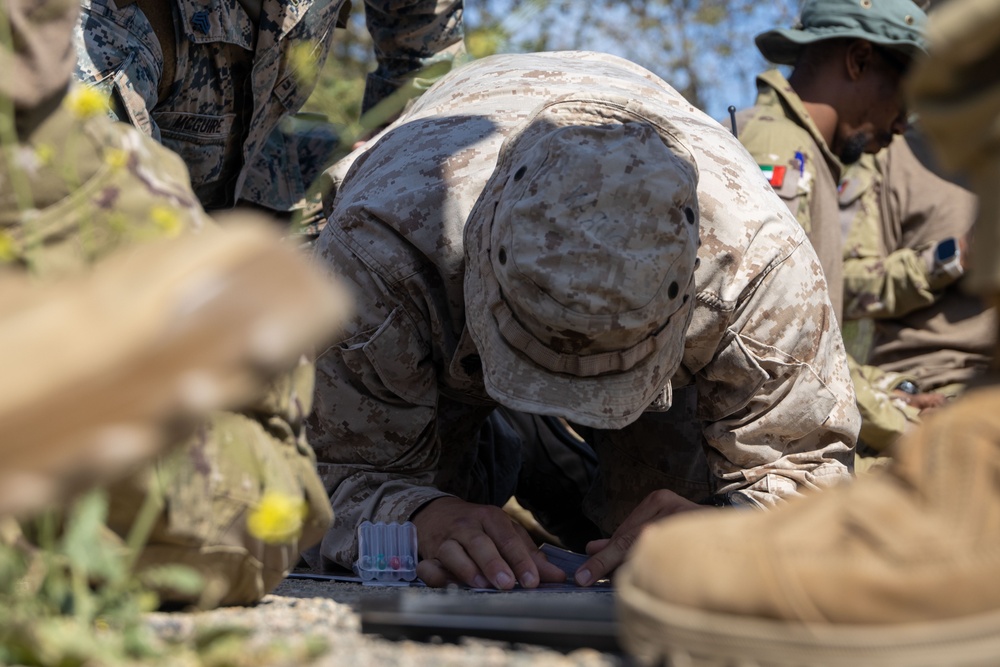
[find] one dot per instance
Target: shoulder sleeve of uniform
(770, 398)
(781, 150)
(118, 52)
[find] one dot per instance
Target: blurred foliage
(70, 597)
(341, 83)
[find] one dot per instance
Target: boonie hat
(894, 24)
(580, 262)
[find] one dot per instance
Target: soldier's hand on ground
(964, 250)
(478, 545)
(606, 555)
(922, 402)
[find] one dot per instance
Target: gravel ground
(300, 612)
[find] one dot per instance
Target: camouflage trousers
(205, 490)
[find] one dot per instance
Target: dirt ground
(327, 614)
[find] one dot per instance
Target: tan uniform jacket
(763, 403)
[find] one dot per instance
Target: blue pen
(802, 162)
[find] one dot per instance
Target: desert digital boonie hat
(580, 262)
(898, 25)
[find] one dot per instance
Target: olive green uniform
(800, 167)
(925, 324)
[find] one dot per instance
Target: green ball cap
(895, 24)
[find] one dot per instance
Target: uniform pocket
(200, 140)
(392, 362)
(381, 387)
(127, 99)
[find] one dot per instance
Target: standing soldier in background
(214, 81)
(906, 570)
(75, 187)
(842, 100)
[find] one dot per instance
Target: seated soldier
(562, 234)
(841, 101)
(904, 259)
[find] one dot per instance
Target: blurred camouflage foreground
(133, 325)
(101, 373)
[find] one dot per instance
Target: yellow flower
(303, 61)
(8, 250)
(85, 101)
(167, 220)
(116, 158)
(45, 153)
(484, 42)
(277, 518)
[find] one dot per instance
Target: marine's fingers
(596, 545)
(547, 572)
(605, 561)
(516, 548)
(456, 560)
(432, 572)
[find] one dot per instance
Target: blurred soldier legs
(137, 350)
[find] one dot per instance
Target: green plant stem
(140, 530)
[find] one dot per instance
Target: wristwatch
(908, 387)
(948, 258)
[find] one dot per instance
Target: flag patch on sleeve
(775, 175)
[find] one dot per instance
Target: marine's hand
(478, 545)
(923, 401)
(606, 555)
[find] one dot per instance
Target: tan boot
(102, 371)
(900, 568)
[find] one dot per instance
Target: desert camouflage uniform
(762, 405)
(777, 131)
(233, 81)
(78, 186)
(925, 325)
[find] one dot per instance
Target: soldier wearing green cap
(842, 100)
(906, 569)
